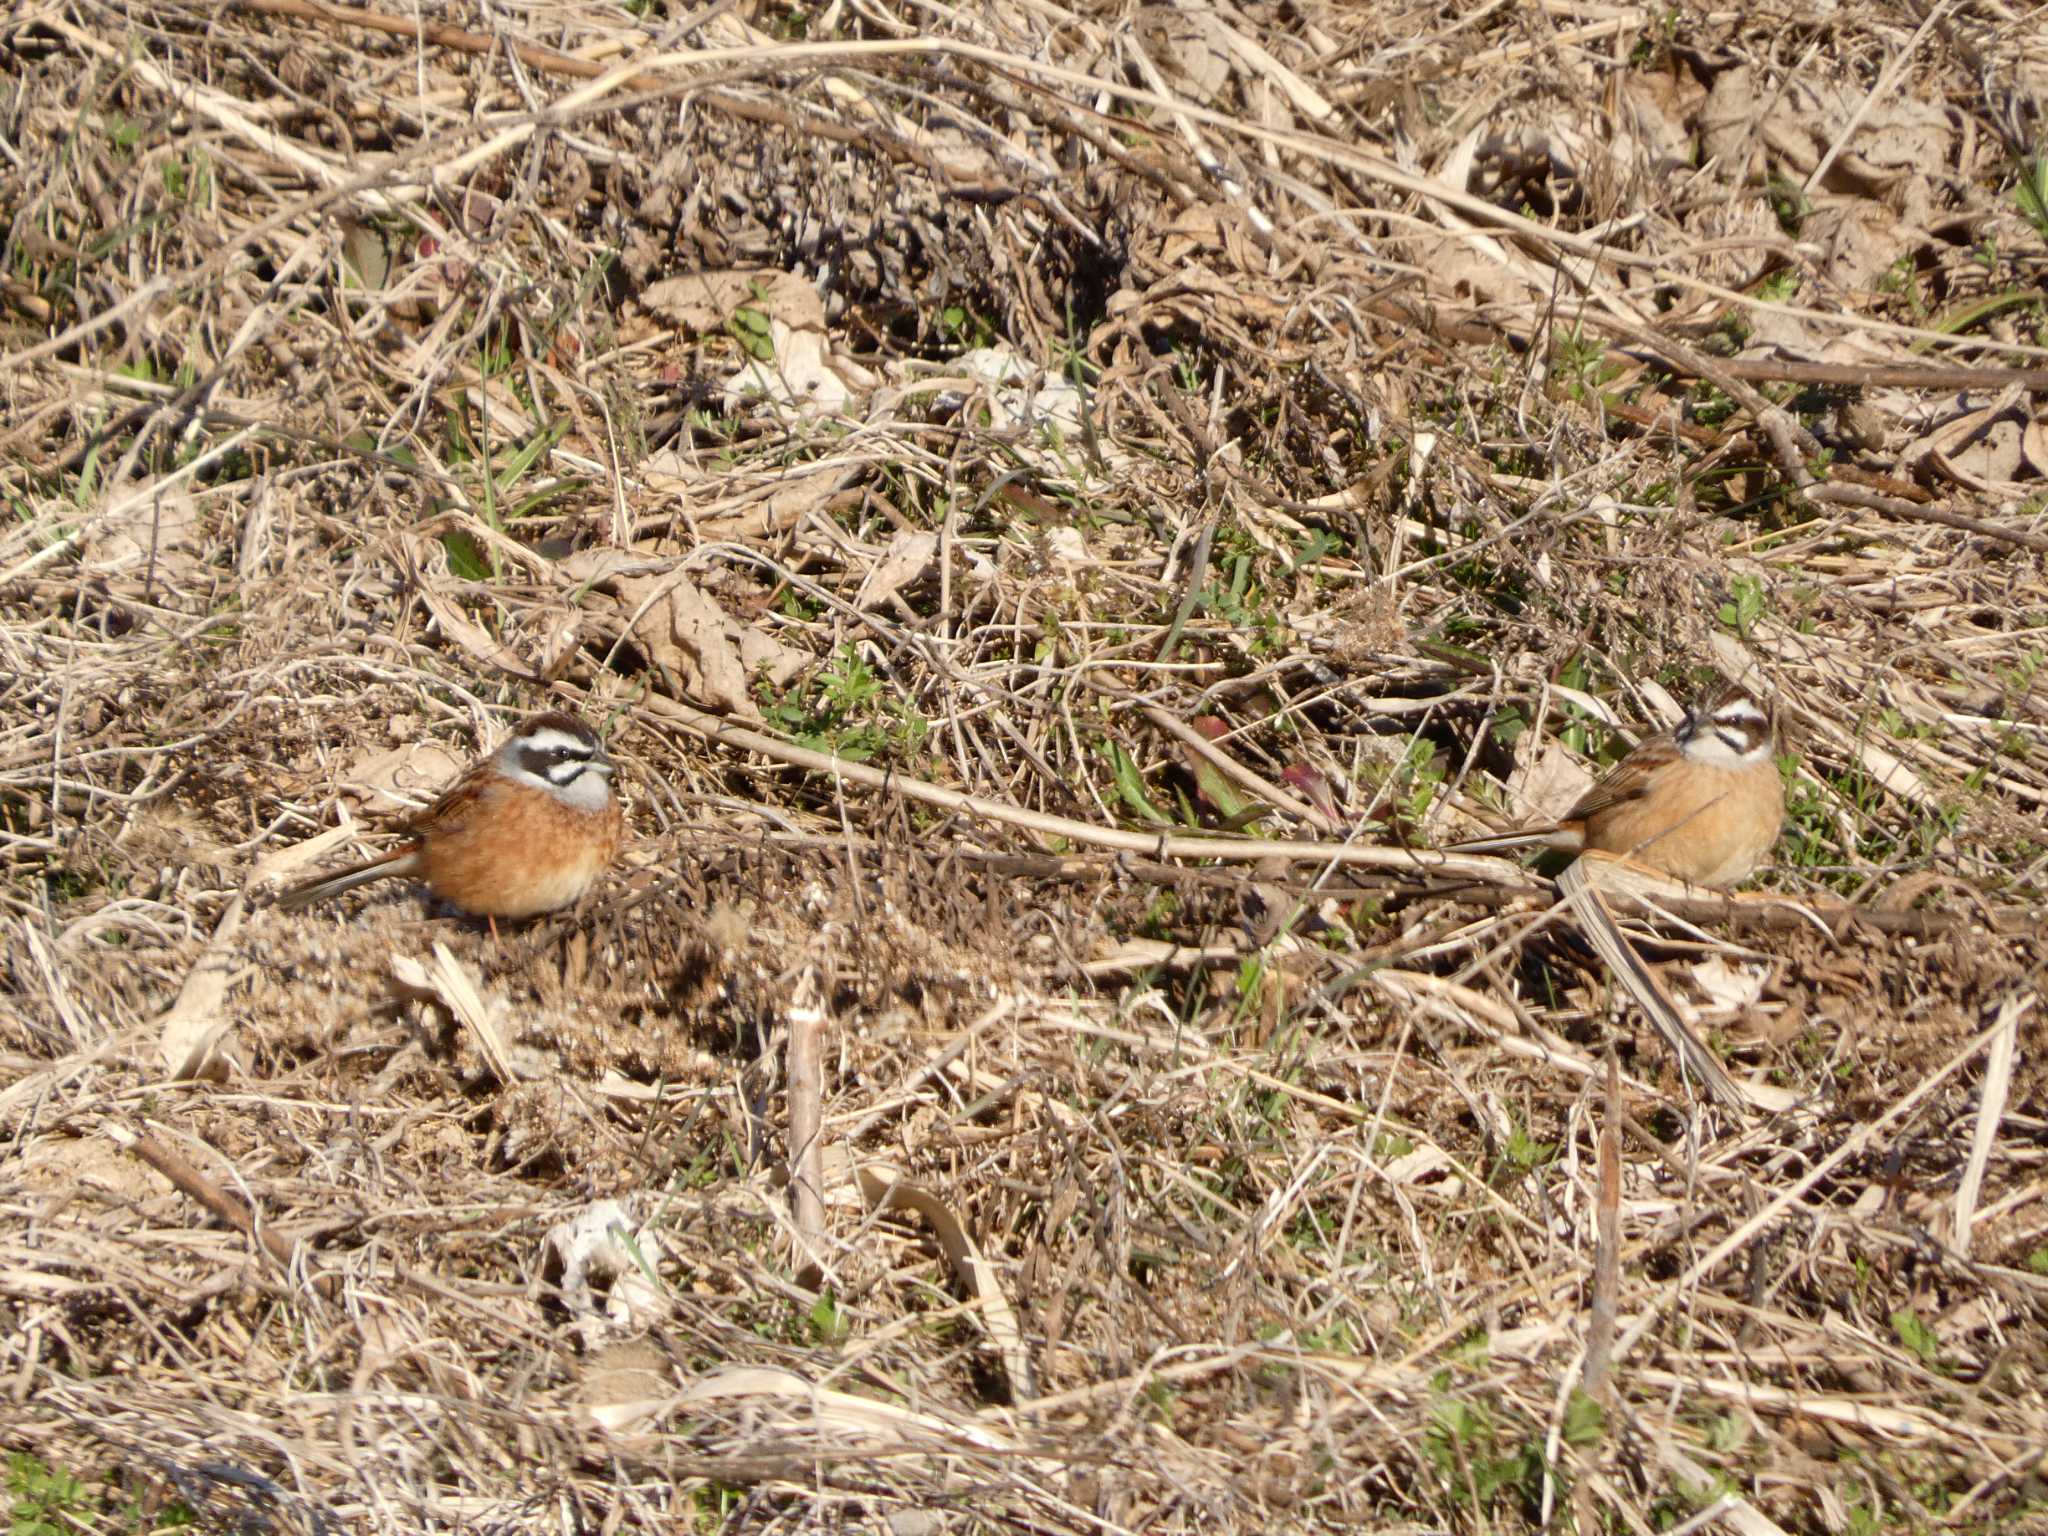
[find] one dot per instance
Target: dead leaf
(609, 1263)
(680, 629)
(1192, 56)
(797, 376)
(1900, 132)
(1314, 786)
(2034, 447)
(1654, 109)
(402, 779)
(1728, 988)
(448, 982)
(907, 558)
(686, 632)
(1976, 448)
(150, 535)
(190, 1034)
(1989, 460)
(1549, 786)
(884, 1188)
(1860, 239)
(66, 1166)
(703, 302)
(457, 626)
(1728, 122)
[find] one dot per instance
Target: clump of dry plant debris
(1060, 511)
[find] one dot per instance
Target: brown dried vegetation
(1114, 432)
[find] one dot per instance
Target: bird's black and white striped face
(1728, 729)
(560, 754)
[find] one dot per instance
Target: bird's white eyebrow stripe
(553, 740)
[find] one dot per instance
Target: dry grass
(1422, 400)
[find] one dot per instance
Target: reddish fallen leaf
(1314, 786)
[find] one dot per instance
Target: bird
(524, 831)
(1702, 801)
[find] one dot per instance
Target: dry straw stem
(1208, 459)
(1798, 1190)
(1450, 872)
(806, 1025)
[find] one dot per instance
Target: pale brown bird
(1702, 801)
(524, 831)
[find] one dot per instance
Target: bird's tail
(1559, 838)
(402, 861)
